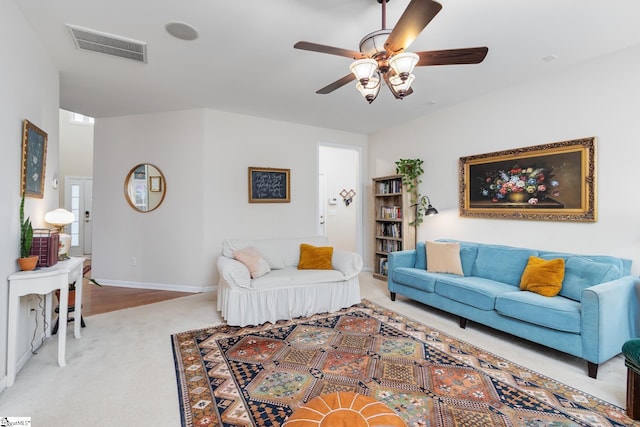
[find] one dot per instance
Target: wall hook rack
(347, 196)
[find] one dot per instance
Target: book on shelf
(390, 212)
(390, 230)
(393, 186)
(383, 266)
(389, 245)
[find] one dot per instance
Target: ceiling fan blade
(472, 55)
(415, 17)
(337, 84)
(315, 47)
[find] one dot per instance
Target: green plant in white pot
(26, 260)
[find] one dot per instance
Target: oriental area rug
(258, 376)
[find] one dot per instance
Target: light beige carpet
(121, 372)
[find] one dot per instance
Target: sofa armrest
(402, 259)
(348, 263)
(234, 272)
(399, 259)
(609, 317)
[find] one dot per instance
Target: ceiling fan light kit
(370, 90)
(364, 69)
(403, 64)
(383, 54)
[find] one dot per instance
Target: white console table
(44, 281)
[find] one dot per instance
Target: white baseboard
(157, 286)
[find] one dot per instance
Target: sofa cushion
(291, 276)
(421, 255)
(474, 291)
(315, 257)
(501, 263)
(444, 257)
(559, 313)
(582, 272)
(542, 276)
(414, 278)
(253, 260)
(468, 254)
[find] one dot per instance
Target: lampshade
(370, 90)
(59, 217)
(431, 211)
(403, 64)
(364, 69)
(401, 87)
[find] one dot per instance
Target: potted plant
(26, 260)
(411, 170)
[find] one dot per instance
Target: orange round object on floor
(344, 409)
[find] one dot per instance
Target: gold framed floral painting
(555, 181)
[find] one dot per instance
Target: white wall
(30, 90)
(600, 98)
(204, 156)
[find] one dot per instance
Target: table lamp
(60, 218)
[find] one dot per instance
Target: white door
(322, 205)
(79, 199)
(340, 168)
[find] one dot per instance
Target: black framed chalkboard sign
(269, 185)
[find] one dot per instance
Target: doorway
(340, 196)
(78, 198)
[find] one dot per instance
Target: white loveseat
(284, 292)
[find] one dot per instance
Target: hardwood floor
(103, 299)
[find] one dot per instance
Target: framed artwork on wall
(269, 185)
(34, 157)
(555, 181)
(155, 183)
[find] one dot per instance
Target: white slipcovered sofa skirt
(242, 307)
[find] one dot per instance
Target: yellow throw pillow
(543, 277)
(315, 257)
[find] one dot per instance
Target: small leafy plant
(26, 232)
(411, 171)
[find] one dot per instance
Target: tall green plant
(411, 171)
(26, 232)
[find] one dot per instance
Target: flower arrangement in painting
(519, 184)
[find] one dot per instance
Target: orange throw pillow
(543, 277)
(315, 257)
(344, 409)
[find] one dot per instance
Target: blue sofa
(594, 314)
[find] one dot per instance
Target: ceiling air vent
(109, 44)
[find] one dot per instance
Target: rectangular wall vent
(109, 44)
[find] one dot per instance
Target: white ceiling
(244, 60)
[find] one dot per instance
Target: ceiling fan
(383, 55)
